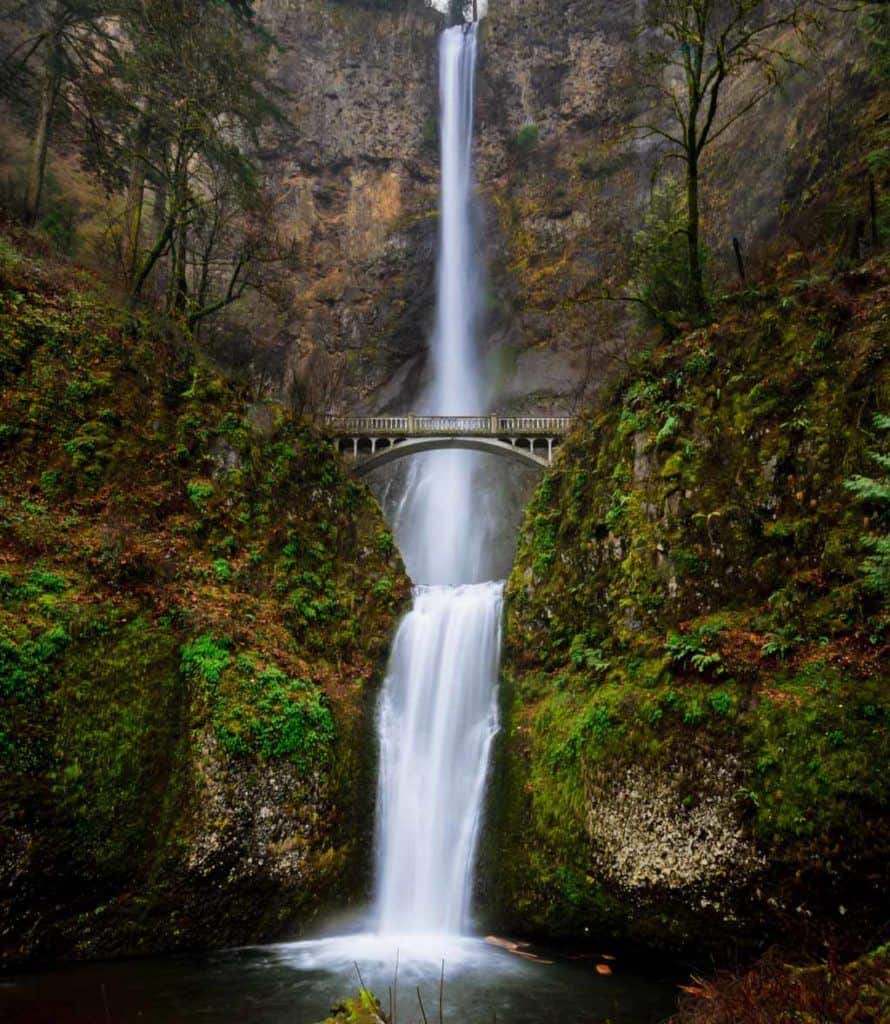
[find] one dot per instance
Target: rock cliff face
(562, 185)
(696, 674)
(195, 605)
(356, 179)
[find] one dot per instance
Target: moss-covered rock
(697, 713)
(363, 1010)
(195, 602)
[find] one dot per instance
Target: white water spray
(438, 714)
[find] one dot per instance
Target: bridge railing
(431, 426)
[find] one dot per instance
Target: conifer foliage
(165, 101)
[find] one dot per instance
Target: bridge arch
(373, 441)
(414, 446)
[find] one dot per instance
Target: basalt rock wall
(562, 186)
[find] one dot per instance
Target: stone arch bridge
(373, 441)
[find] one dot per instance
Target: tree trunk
(177, 286)
(159, 206)
(135, 200)
(51, 78)
(157, 226)
(157, 251)
(179, 292)
(696, 276)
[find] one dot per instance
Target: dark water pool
(297, 983)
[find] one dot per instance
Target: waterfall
(438, 712)
(437, 721)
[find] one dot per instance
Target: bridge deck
(374, 441)
(448, 426)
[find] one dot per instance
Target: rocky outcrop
(356, 177)
(195, 606)
(645, 833)
(695, 677)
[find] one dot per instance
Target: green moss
(687, 586)
(114, 733)
(211, 571)
(260, 710)
(815, 742)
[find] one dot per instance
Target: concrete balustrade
(373, 441)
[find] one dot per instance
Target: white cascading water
(438, 712)
(437, 722)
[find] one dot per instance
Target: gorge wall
(696, 711)
(195, 606)
(562, 185)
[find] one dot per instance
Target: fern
(781, 643)
(693, 648)
(874, 493)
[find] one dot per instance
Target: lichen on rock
(646, 832)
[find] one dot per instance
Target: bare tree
(695, 49)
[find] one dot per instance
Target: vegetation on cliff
(774, 992)
(696, 643)
(697, 618)
(194, 605)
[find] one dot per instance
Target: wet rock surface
(562, 186)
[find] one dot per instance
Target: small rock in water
(603, 969)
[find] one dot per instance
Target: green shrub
(527, 138)
(722, 702)
(660, 277)
(583, 654)
(383, 587)
(199, 492)
(781, 643)
(25, 662)
(695, 649)
(385, 543)
(222, 569)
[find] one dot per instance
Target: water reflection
(297, 983)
